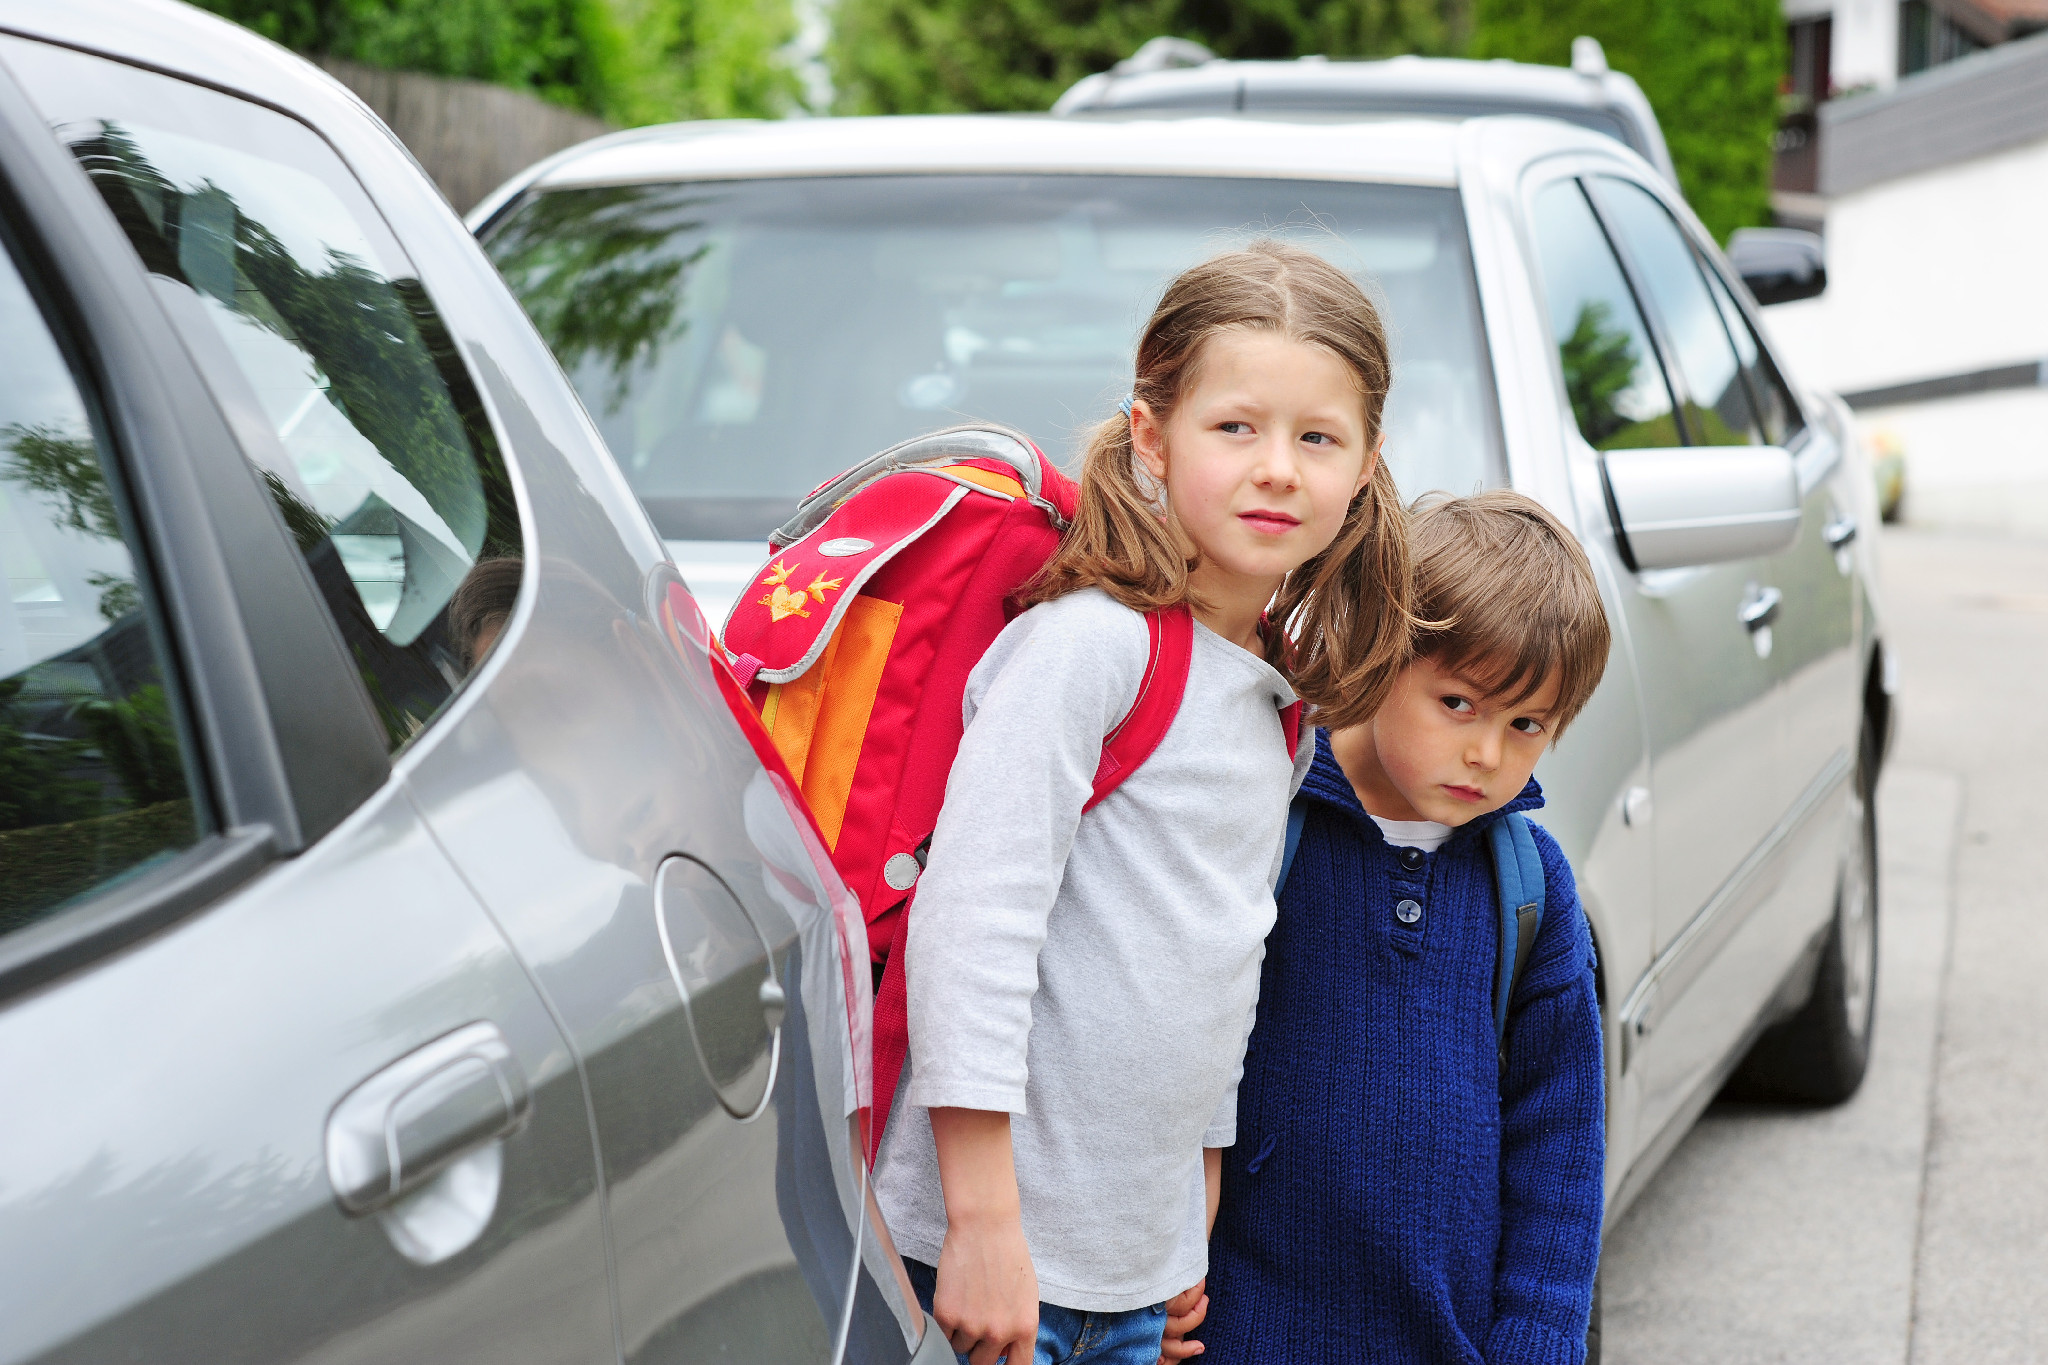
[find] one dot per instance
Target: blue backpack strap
(1518, 877)
(1297, 816)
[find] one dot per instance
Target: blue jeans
(1068, 1336)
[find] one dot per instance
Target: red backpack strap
(1290, 726)
(1171, 651)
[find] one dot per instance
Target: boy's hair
(1344, 614)
(1507, 597)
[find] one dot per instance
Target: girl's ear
(1372, 464)
(1148, 440)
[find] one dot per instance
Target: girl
(1081, 985)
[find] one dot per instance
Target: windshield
(739, 342)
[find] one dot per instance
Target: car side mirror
(1779, 264)
(1675, 508)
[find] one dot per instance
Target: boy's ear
(1148, 440)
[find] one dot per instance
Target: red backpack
(855, 644)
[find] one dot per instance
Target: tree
(1711, 69)
(628, 61)
(941, 56)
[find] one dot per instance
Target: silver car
(746, 309)
(405, 953)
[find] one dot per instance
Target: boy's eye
(1528, 725)
(1458, 704)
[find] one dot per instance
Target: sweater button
(1408, 912)
(1411, 858)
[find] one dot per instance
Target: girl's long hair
(1340, 625)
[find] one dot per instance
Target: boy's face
(1443, 748)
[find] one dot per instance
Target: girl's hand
(1185, 1312)
(987, 1295)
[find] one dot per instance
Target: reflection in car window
(93, 784)
(740, 342)
(1617, 389)
(1779, 414)
(323, 348)
(1718, 411)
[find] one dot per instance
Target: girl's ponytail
(1347, 616)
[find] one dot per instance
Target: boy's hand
(986, 1300)
(1184, 1313)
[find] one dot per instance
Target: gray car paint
(504, 873)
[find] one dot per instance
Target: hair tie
(1126, 404)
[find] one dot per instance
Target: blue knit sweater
(1390, 1197)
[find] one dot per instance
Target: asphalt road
(1911, 1224)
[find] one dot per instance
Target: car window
(1717, 411)
(93, 782)
(740, 342)
(323, 348)
(1617, 389)
(1777, 411)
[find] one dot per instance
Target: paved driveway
(1910, 1225)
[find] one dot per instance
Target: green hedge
(947, 56)
(626, 61)
(1711, 69)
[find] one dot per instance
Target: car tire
(1819, 1055)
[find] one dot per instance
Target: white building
(1935, 321)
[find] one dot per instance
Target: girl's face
(1260, 460)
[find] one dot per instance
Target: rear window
(738, 342)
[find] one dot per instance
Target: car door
(1713, 708)
(276, 1087)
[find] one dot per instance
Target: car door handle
(1840, 533)
(410, 1121)
(1761, 608)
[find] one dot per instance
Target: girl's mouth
(1271, 523)
(1467, 794)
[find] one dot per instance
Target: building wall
(1937, 273)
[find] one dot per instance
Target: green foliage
(138, 742)
(627, 61)
(1711, 69)
(590, 268)
(37, 785)
(943, 56)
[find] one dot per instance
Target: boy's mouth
(1272, 523)
(1466, 794)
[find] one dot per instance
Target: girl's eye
(1318, 438)
(1233, 428)
(1458, 704)
(1527, 725)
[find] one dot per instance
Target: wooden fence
(470, 136)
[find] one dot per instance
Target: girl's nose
(1277, 466)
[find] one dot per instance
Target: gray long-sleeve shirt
(1093, 975)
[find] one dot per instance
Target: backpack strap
(1170, 653)
(1518, 877)
(1297, 819)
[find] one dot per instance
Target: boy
(1395, 1194)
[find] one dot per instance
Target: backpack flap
(781, 625)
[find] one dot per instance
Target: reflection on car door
(176, 1187)
(1713, 711)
